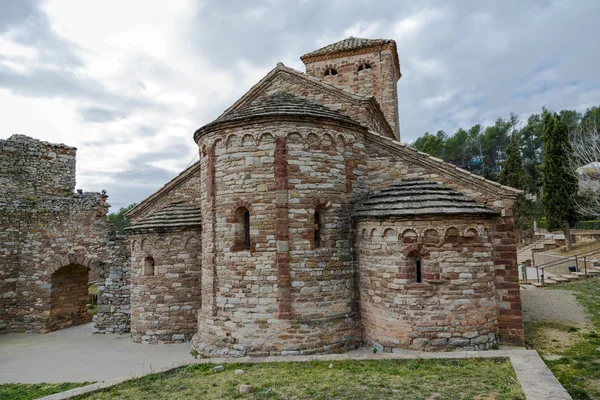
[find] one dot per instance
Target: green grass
(579, 368)
(386, 379)
(26, 391)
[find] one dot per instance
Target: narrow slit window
(317, 228)
(247, 230)
(418, 271)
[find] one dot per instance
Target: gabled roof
(176, 215)
(459, 175)
(278, 104)
(368, 102)
(350, 43)
(418, 197)
(183, 177)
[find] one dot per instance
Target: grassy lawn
(578, 248)
(387, 379)
(573, 354)
(26, 391)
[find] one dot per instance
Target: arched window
(318, 229)
(330, 71)
(418, 271)
(364, 66)
(242, 230)
(149, 267)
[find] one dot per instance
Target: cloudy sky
(128, 82)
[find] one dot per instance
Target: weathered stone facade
(51, 238)
(301, 249)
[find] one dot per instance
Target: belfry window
(317, 229)
(418, 272)
(364, 66)
(330, 71)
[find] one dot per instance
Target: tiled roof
(280, 103)
(175, 215)
(420, 197)
(350, 43)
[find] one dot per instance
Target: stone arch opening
(69, 297)
(331, 72)
(364, 66)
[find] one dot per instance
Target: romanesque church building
(307, 226)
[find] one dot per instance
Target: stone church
(307, 226)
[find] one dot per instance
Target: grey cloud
(99, 114)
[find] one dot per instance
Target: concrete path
(77, 355)
(552, 306)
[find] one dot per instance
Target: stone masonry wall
(165, 277)
(455, 305)
(389, 161)
(45, 226)
(281, 296)
(380, 80)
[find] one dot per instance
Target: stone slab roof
(347, 44)
(419, 198)
(278, 104)
(177, 214)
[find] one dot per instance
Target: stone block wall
(454, 306)
(280, 296)
(165, 278)
(389, 161)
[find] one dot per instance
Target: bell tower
(364, 66)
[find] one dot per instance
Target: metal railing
(576, 259)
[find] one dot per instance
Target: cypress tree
(513, 174)
(560, 183)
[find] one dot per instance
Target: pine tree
(513, 174)
(560, 183)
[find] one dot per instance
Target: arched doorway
(69, 297)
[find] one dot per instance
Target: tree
(513, 174)
(119, 220)
(559, 181)
(586, 161)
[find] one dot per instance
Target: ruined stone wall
(455, 305)
(380, 80)
(165, 278)
(33, 168)
(389, 162)
(280, 296)
(45, 226)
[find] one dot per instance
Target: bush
(587, 225)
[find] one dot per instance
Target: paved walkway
(77, 355)
(552, 306)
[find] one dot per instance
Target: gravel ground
(552, 306)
